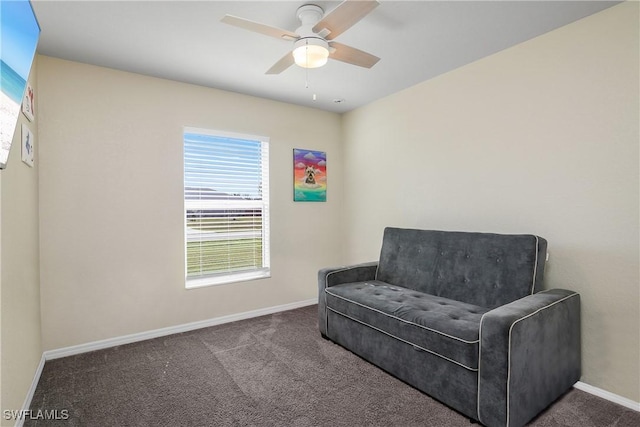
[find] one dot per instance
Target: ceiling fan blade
(344, 16)
(351, 55)
(284, 63)
(257, 27)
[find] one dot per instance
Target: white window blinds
(226, 205)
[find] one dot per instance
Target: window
(226, 207)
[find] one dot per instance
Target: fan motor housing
(309, 15)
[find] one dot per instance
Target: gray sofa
(461, 317)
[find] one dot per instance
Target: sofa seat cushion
(444, 327)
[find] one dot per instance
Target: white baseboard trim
(31, 391)
(186, 327)
(628, 403)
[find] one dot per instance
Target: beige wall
(111, 216)
(20, 273)
(540, 138)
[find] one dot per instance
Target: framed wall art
(27, 145)
(309, 175)
(28, 104)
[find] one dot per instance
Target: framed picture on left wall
(28, 103)
(27, 145)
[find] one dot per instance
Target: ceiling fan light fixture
(311, 52)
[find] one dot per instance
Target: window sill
(224, 279)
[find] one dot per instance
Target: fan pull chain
(306, 70)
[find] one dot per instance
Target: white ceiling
(185, 41)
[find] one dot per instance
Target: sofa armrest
(328, 277)
(529, 356)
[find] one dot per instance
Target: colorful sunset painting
(309, 175)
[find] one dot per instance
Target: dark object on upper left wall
(19, 32)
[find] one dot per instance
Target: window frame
(263, 204)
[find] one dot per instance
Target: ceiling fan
(314, 39)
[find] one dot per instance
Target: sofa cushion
(483, 269)
(444, 327)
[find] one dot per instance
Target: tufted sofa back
(484, 269)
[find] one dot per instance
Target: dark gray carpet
(269, 371)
